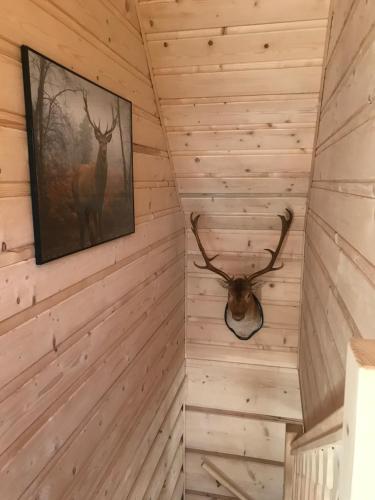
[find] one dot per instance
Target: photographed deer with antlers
(90, 180)
(243, 312)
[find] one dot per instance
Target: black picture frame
(77, 201)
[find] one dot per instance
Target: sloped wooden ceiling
(238, 85)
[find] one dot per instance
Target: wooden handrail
(327, 431)
(338, 463)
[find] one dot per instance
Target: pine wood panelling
(291, 269)
(225, 240)
(341, 13)
(103, 261)
(171, 485)
(114, 31)
(230, 354)
(172, 16)
(353, 97)
(240, 185)
(20, 24)
(161, 453)
(261, 481)
(239, 111)
(277, 315)
(11, 97)
(339, 285)
(239, 205)
(239, 47)
(235, 435)
(262, 390)
(240, 165)
(91, 345)
(127, 8)
(213, 331)
(238, 85)
(191, 495)
(339, 163)
(357, 32)
(130, 450)
(241, 139)
(244, 222)
(358, 228)
(257, 81)
(271, 289)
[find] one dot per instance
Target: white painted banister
(334, 460)
(357, 468)
(317, 455)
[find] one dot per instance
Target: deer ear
(109, 137)
(224, 283)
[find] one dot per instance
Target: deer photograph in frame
(80, 156)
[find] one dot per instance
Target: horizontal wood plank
(215, 332)
(235, 435)
(279, 316)
(255, 82)
(243, 111)
(242, 139)
(274, 45)
(242, 388)
(169, 16)
(262, 481)
(244, 185)
(235, 165)
(243, 205)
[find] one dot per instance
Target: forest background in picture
(80, 150)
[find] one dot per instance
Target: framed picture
(81, 159)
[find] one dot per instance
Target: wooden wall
(338, 291)
(238, 85)
(91, 345)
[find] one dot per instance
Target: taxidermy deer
(90, 180)
(243, 312)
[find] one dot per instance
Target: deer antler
(86, 108)
(285, 225)
(93, 124)
(114, 123)
(208, 260)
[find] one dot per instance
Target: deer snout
(238, 317)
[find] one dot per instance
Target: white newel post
(357, 475)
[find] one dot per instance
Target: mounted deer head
(243, 312)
